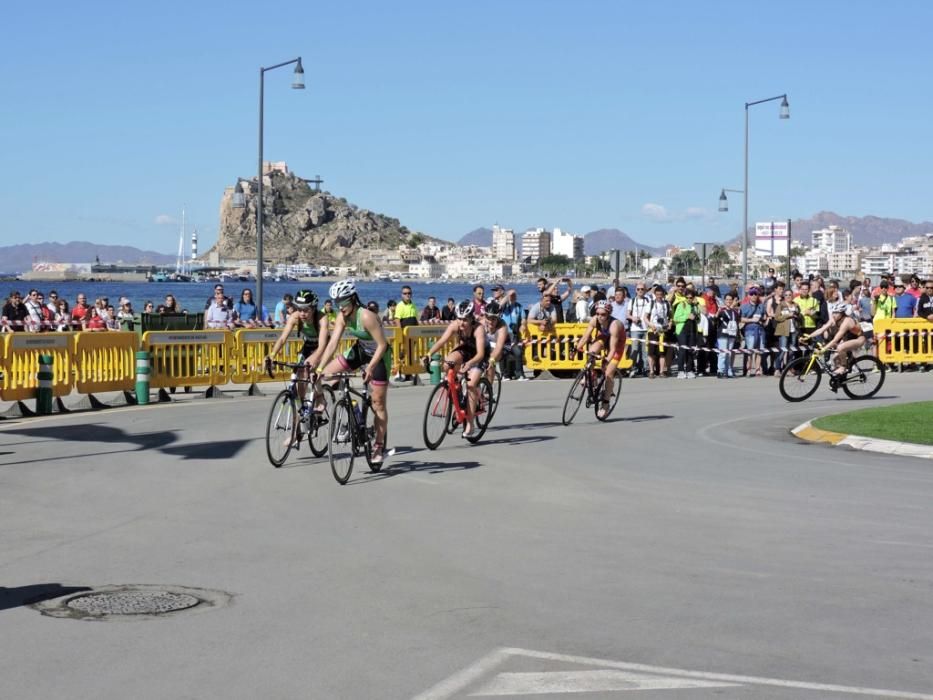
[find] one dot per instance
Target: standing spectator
(809, 308)
(635, 311)
(769, 282)
(406, 313)
(33, 310)
(686, 314)
(93, 321)
(148, 307)
(925, 303)
(769, 325)
(125, 316)
(882, 307)
(170, 306)
(557, 297)
(113, 324)
(449, 312)
(79, 311)
(727, 322)
(245, 314)
(430, 313)
(710, 308)
(913, 287)
(584, 304)
(658, 320)
(619, 306)
(329, 312)
(48, 314)
(785, 328)
(282, 310)
(388, 316)
(479, 300)
(905, 305)
(14, 313)
(63, 315)
(217, 314)
(751, 314)
(543, 314)
(53, 302)
(883, 279)
(512, 316)
(715, 287)
(498, 294)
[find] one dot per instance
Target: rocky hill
(865, 230)
(478, 236)
(613, 239)
(301, 224)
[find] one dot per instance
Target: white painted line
(454, 684)
(586, 682)
(726, 677)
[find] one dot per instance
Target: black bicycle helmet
(493, 309)
(305, 299)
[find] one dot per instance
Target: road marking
(464, 678)
(586, 682)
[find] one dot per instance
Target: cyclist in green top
(370, 351)
(311, 326)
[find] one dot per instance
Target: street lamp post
(724, 206)
(297, 84)
(784, 114)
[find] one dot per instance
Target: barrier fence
(90, 362)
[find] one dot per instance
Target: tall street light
(724, 202)
(298, 83)
(784, 114)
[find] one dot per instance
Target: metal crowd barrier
(416, 342)
(555, 350)
(195, 358)
(104, 361)
(252, 345)
(21, 364)
(906, 340)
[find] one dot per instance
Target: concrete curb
(807, 432)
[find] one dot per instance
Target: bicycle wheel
(798, 382)
(437, 416)
(613, 397)
(483, 413)
(369, 420)
(574, 397)
(496, 393)
(280, 430)
(319, 435)
(865, 377)
(342, 438)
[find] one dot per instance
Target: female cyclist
(311, 326)
(497, 337)
(847, 335)
(468, 357)
(604, 333)
(370, 351)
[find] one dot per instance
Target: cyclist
(468, 357)
(847, 335)
(497, 337)
(311, 326)
(604, 333)
(370, 351)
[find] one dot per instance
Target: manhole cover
(132, 603)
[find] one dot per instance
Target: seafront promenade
(690, 546)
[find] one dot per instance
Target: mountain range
(19, 258)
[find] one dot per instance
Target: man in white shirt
(584, 304)
(636, 309)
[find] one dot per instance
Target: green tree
(555, 264)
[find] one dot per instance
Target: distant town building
(536, 244)
(567, 244)
(832, 239)
(503, 243)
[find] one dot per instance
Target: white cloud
(655, 212)
(166, 220)
(660, 214)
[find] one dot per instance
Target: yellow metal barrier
(555, 350)
(417, 340)
(190, 358)
(21, 364)
(4, 362)
(912, 340)
(105, 361)
(251, 348)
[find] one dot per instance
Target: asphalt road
(691, 547)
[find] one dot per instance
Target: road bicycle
(352, 429)
(290, 418)
(801, 378)
(588, 385)
(496, 384)
(446, 409)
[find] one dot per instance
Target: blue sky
(451, 116)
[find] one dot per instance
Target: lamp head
(239, 200)
(723, 202)
(785, 109)
(299, 80)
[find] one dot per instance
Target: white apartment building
(503, 243)
(536, 244)
(427, 268)
(844, 265)
(905, 262)
(567, 244)
(812, 263)
(832, 239)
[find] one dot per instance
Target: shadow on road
(524, 426)
(513, 441)
(26, 595)
(400, 467)
(638, 419)
(165, 441)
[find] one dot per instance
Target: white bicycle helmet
(601, 305)
(465, 310)
(344, 289)
(839, 308)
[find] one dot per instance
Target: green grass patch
(909, 422)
